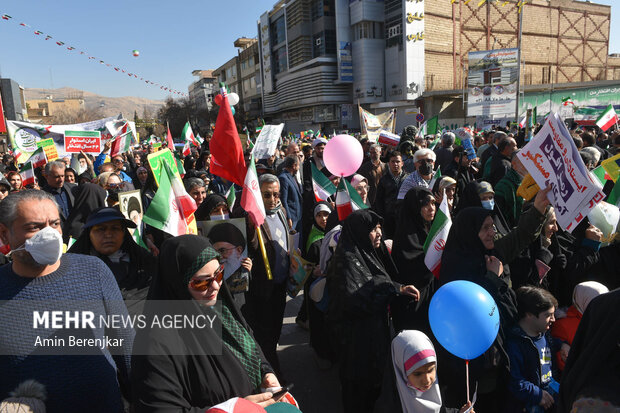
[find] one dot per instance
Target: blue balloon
(464, 319)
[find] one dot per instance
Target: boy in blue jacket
(530, 353)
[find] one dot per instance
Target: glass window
(322, 8)
(278, 31)
(279, 60)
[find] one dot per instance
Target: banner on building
(86, 141)
(267, 141)
(373, 125)
(553, 159)
(265, 48)
(413, 22)
(492, 82)
(25, 135)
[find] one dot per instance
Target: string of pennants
(519, 4)
(48, 37)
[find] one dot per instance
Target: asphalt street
(316, 390)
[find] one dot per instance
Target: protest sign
(551, 157)
(49, 147)
(267, 141)
(87, 141)
(155, 160)
(24, 135)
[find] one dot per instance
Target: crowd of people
(365, 302)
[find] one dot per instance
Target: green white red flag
(169, 140)
(347, 200)
(38, 158)
(27, 174)
(435, 177)
(323, 188)
(429, 127)
(188, 135)
(171, 206)
(121, 143)
(251, 198)
(437, 236)
(607, 119)
(231, 197)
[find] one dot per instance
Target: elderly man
(293, 150)
(373, 170)
(40, 273)
(290, 192)
(500, 162)
(424, 164)
(266, 299)
(63, 192)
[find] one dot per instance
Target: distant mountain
(109, 106)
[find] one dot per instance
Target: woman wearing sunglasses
(192, 369)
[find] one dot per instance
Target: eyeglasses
(223, 251)
(427, 160)
(269, 195)
(202, 284)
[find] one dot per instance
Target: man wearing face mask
(266, 299)
(424, 164)
(30, 223)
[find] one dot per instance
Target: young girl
(414, 376)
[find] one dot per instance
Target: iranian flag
(607, 119)
(435, 177)
(343, 201)
(321, 185)
(27, 174)
(188, 135)
(121, 143)
(186, 149)
(356, 199)
(251, 198)
(171, 206)
(38, 158)
(522, 121)
(429, 127)
(231, 197)
(437, 236)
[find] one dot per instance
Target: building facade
(44, 110)
(250, 97)
(13, 101)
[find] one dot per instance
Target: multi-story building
(201, 94)
(229, 74)
(320, 58)
(250, 99)
(13, 100)
(301, 85)
(44, 110)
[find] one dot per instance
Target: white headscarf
(584, 293)
(412, 349)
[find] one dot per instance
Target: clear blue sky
(173, 37)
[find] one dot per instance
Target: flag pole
(264, 253)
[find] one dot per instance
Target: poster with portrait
(228, 238)
(130, 203)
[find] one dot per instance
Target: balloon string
(467, 378)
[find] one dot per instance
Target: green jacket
(506, 197)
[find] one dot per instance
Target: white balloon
(233, 98)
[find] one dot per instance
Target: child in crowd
(413, 377)
(531, 387)
(564, 329)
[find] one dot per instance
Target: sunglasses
(203, 284)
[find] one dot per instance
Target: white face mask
(231, 264)
(45, 246)
(219, 217)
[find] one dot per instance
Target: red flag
(169, 139)
(2, 123)
(226, 151)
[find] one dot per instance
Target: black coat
(360, 289)
(166, 380)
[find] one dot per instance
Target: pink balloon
(343, 155)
